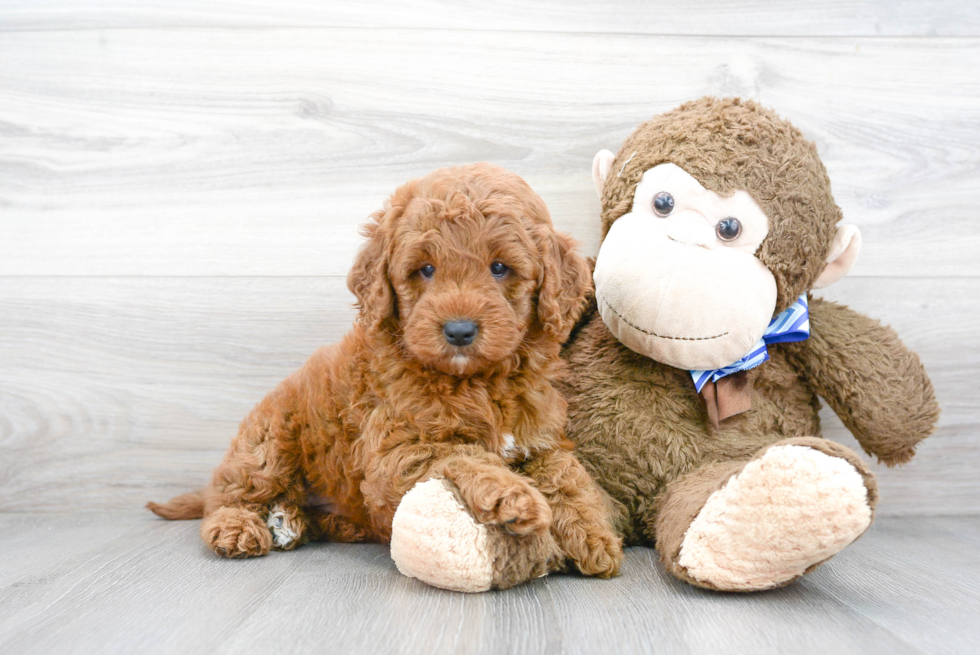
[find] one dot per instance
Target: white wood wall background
(181, 183)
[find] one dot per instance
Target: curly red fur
(339, 442)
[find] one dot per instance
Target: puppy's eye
(728, 229)
(498, 269)
(663, 203)
(427, 271)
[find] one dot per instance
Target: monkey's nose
(692, 233)
(460, 333)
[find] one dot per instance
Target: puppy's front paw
(599, 553)
(516, 505)
(236, 532)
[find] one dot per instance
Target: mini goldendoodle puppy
(465, 293)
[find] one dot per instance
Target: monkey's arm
(876, 385)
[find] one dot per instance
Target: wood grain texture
(107, 383)
(35, 542)
(939, 574)
(908, 586)
(719, 17)
(260, 151)
(115, 391)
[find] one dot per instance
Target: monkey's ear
(843, 253)
(601, 166)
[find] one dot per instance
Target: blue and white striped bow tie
(790, 325)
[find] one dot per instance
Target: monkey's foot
(435, 539)
(783, 513)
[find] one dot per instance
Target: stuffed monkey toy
(694, 377)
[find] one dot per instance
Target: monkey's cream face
(677, 278)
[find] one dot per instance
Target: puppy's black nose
(460, 333)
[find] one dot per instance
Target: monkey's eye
(663, 203)
(427, 271)
(498, 269)
(728, 229)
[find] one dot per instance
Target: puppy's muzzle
(460, 333)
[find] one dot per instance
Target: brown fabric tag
(710, 402)
(734, 395)
(729, 396)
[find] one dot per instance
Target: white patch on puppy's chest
(511, 450)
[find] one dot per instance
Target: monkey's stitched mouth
(654, 334)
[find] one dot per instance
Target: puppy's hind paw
(236, 532)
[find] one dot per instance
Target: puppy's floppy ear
(368, 278)
(565, 283)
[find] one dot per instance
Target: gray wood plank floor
(111, 583)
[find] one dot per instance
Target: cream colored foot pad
(434, 539)
(784, 512)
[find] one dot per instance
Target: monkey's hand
(876, 385)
